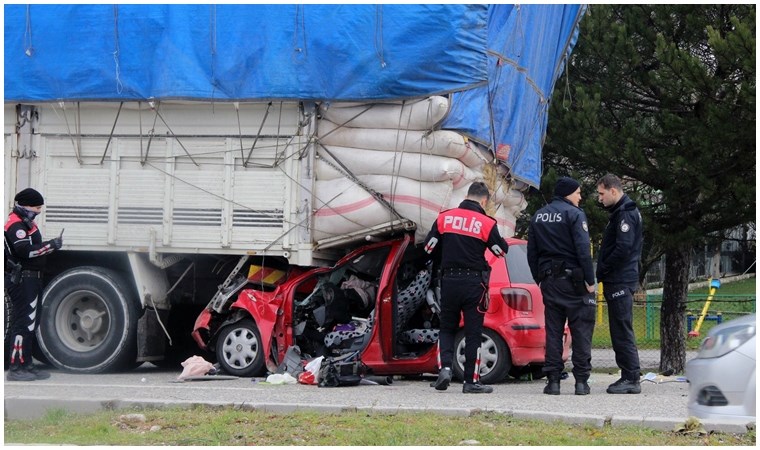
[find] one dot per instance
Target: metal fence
(646, 324)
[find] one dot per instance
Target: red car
(379, 300)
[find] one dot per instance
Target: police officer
(559, 255)
(618, 268)
(24, 260)
(461, 235)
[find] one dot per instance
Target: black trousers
(619, 301)
(562, 304)
(25, 296)
(461, 295)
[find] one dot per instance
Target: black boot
(444, 378)
(552, 384)
(582, 387)
(19, 373)
(38, 374)
(476, 388)
(623, 386)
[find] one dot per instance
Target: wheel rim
(489, 354)
(240, 348)
(82, 321)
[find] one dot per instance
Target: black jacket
(23, 242)
(620, 253)
(462, 235)
(559, 233)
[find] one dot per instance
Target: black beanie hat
(29, 197)
(565, 186)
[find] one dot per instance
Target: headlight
(725, 340)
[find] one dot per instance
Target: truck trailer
(179, 178)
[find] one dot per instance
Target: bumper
(201, 329)
(722, 388)
(527, 342)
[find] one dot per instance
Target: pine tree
(664, 97)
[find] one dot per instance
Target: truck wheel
(88, 321)
(239, 350)
(495, 359)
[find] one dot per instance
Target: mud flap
(151, 340)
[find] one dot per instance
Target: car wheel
(88, 321)
(495, 358)
(239, 350)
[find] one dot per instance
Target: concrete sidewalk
(659, 406)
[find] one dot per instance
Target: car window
(370, 264)
(517, 264)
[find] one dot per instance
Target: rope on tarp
(116, 53)
(379, 35)
(28, 49)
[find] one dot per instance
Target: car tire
(239, 350)
(495, 358)
(88, 321)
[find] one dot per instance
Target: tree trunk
(715, 262)
(673, 311)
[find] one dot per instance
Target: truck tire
(239, 350)
(88, 321)
(495, 358)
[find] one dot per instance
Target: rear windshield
(517, 264)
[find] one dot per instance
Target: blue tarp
(499, 62)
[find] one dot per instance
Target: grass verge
(229, 426)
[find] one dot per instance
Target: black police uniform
(618, 268)
(462, 235)
(24, 260)
(559, 255)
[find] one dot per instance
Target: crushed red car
(381, 301)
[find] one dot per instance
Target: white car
(722, 376)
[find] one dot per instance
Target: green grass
(741, 287)
(730, 301)
(228, 426)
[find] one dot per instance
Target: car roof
(516, 241)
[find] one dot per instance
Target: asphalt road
(660, 405)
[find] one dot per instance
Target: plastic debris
(281, 378)
(194, 366)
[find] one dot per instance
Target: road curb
(25, 408)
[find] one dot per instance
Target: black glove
(56, 243)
